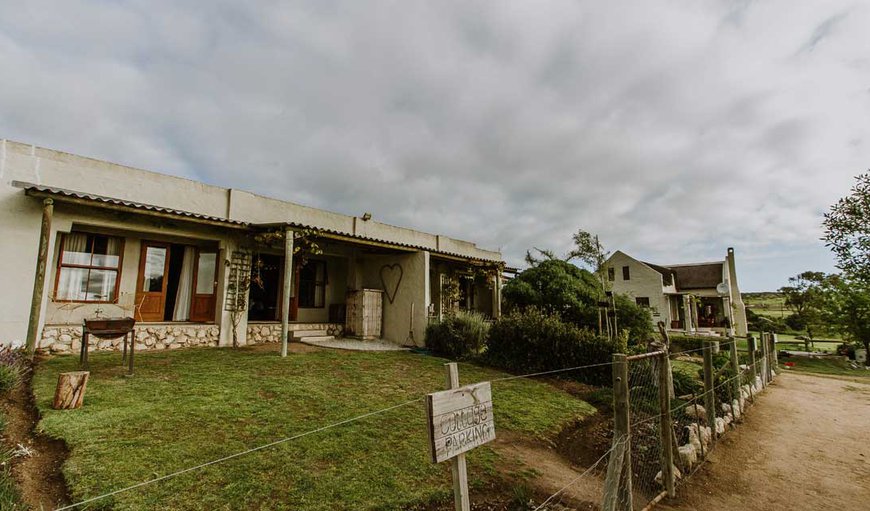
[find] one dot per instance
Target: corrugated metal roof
(61, 192)
(30, 187)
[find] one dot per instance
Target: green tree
(848, 309)
(562, 288)
(805, 296)
(847, 230)
(589, 250)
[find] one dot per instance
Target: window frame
(626, 273)
(317, 284)
(611, 274)
(638, 299)
(60, 265)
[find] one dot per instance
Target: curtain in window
(73, 283)
(185, 286)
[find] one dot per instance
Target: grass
(771, 305)
(187, 407)
(9, 497)
(830, 366)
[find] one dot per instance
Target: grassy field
(187, 407)
(831, 366)
(771, 305)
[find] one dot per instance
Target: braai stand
(108, 329)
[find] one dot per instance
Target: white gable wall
(643, 282)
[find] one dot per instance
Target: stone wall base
(67, 338)
(271, 331)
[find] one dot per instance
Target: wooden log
(70, 391)
(39, 277)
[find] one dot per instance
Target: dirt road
(803, 446)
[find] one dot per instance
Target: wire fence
(662, 429)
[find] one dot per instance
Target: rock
(688, 454)
(104, 344)
(696, 411)
(200, 333)
(58, 348)
(65, 338)
(181, 339)
(728, 419)
(720, 426)
(150, 341)
(47, 341)
(677, 475)
(140, 347)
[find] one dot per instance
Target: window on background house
(642, 301)
(312, 285)
(626, 273)
(89, 268)
(611, 274)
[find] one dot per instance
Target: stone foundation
(157, 336)
(271, 331)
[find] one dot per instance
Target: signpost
(459, 419)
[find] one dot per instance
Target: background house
(694, 297)
(177, 254)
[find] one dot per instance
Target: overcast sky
(674, 129)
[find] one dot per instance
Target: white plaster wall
(20, 218)
(413, 289)
(643, 282)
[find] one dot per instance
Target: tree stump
(70, 392)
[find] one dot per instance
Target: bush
(532, 341)
(12, 368)
(559, 287)
(457, 336)
(687, 378)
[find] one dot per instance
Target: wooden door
(153, 277)
(202, 307)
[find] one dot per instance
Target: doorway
(176, 283)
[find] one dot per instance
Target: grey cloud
(667, 130)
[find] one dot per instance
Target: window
(89, 268)
(626, 273)
(642, 301)
(611, 274)
(312, 285)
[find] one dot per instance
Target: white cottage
(83, 238)
(695, 297)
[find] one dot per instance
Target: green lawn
(831, 366)
(190, 406)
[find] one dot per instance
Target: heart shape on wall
(391, 277)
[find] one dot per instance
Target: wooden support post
(709, 395)
(39, 277)
(70, 391)
(457, 464)
(287, 289)
(617, 484)
(753, 348)
(666, 427)
(735, 366)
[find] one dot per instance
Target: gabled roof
(667, 273)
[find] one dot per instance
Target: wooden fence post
(765, 361)
(457, 464)
(617, 484)
(752, 361)
(709, 395)
(666, 427)
(735, 366)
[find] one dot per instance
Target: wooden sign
(460, 419)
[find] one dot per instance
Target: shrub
(687, 378)
(533, 341)
(12, 368)
(559, 287)
(458, 336)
